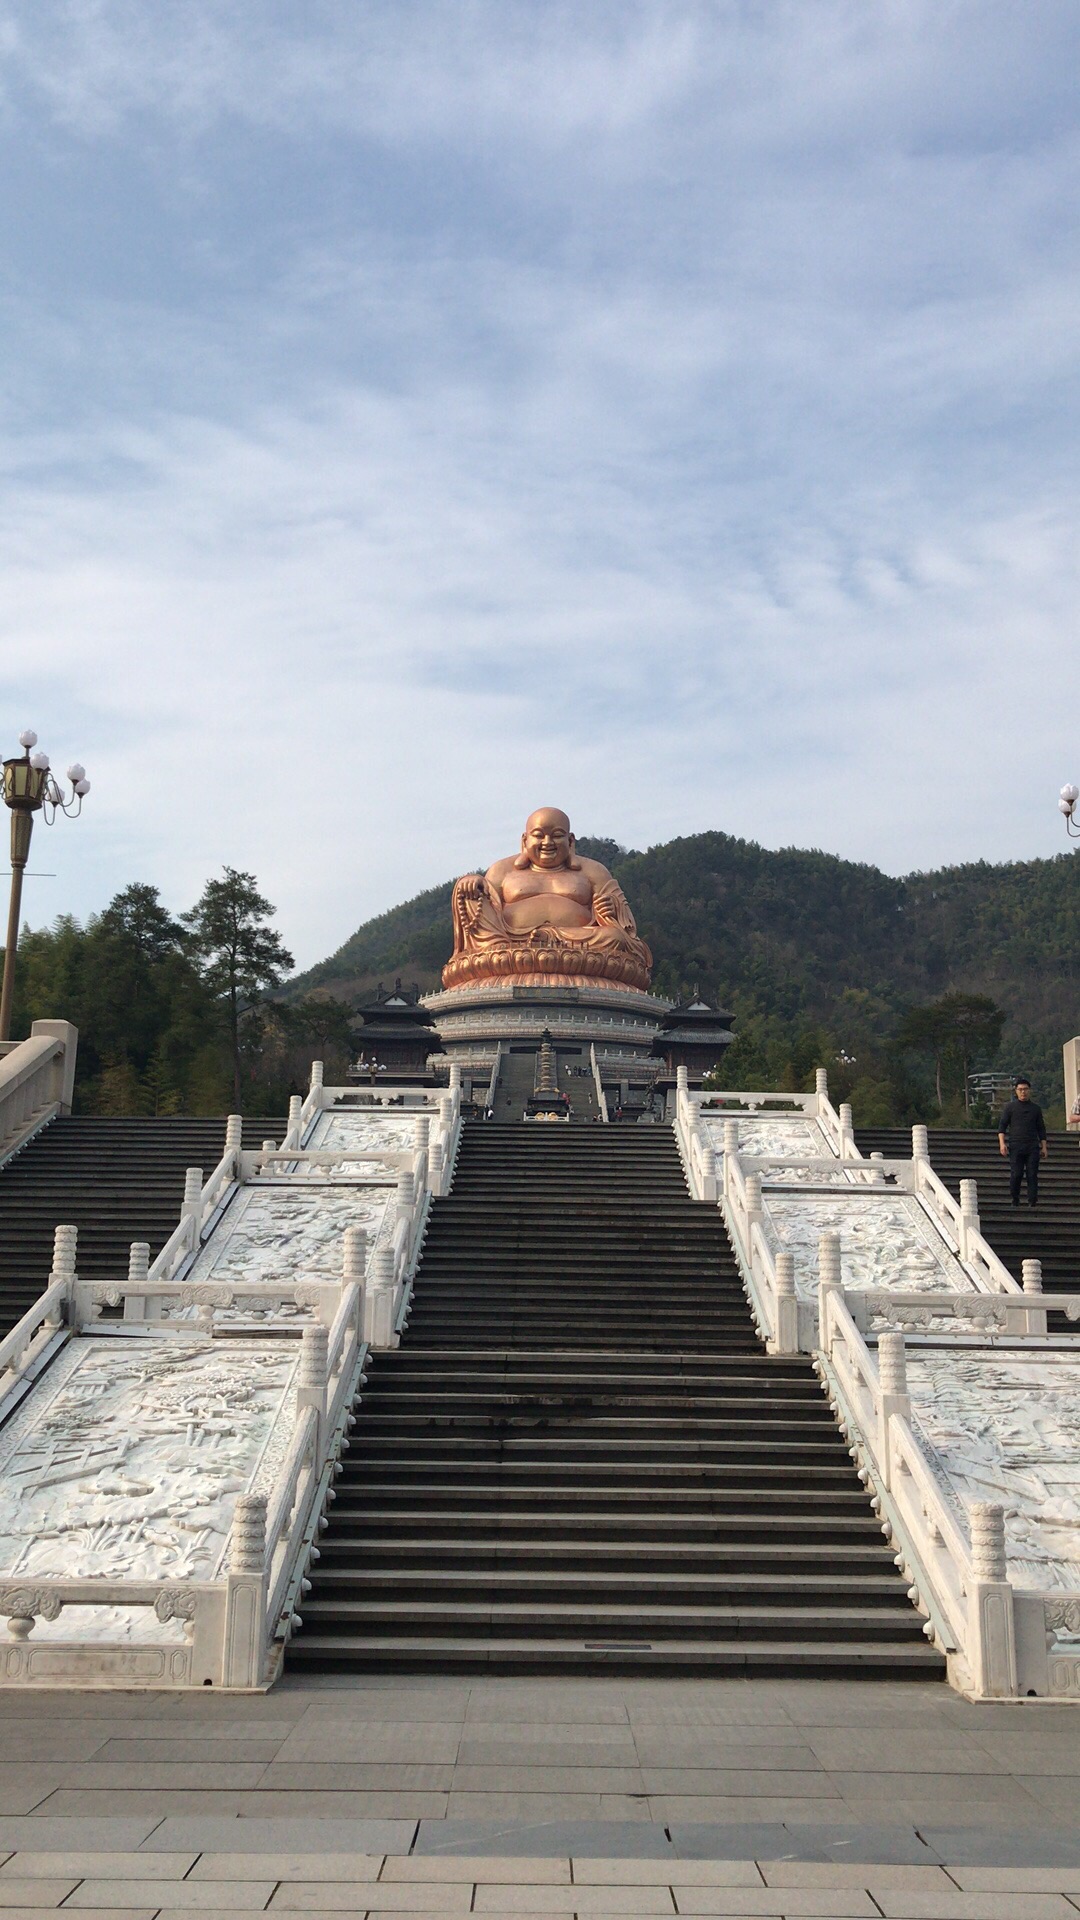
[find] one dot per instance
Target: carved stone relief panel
(886, 1240)
(790, 1134)
(1003, 1426)
(289, 1233)
(125, 1463)
(360, 1130)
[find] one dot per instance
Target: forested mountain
(821, 960)
(815, 954)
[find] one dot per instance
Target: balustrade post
(829, 1274)
(316, 1082)
(1032, 1279)
(991, 1621)
(405, 1198)
(786, 1330)
(136, 1305)
(847, 1132)
(379, 1299)
(65, 1249)
(920, 1144)
(708, 1175)
(731, 1136)
(311, 1378)
(191, 1210)
(821, 1083)
(245, 1630)
(234, 1133)
(969, 1215)
(295, 1127)
(878, 1176)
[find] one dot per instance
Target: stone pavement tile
(550, 1753)
(1031, 1752)
(351, 1776)
(851, 1873)
(305, 1896)
(587, 1779)
(322, 1738)
(184, 1748)
(88, 1913)
(1048, 1845)
(1058, 1792)
(599, 1839)
(974, 1906)
(714, 1809)
(758, 1783)
(985, 1815)
(658, 1713)
(155, 1802)
(660, 1873)
(286, 1866)
(189, 1895)
(993, 1789)
(362, 1804)
(785, 1903)
(819, 1839)
(371, 1703)
(428, 1913)
(91, 1836)
(36, 1892)
(190, 1728)
(1018, 1879)
(23, 1788)
(436, 1867)
(149, 1773)
(695, 1747)
(521, 1807)
(39, 1745)
(539, 1707)
(581, 1900)
(61, 1704)
(896, 1750)
(206, 1835)
(101, 1866)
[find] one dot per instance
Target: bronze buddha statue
(545, 917)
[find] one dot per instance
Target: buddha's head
(547, 841)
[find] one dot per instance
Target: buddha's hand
(471, 887)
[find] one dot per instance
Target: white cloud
(414, 414)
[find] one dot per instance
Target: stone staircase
(1051, 1233)
(581, 1460)
(116, 1180)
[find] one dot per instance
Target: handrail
(37, 1077)
(598, 1082)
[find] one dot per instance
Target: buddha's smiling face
(547, 839)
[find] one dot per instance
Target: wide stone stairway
(581, 1459)
(1051, 1233)
(116, 1180)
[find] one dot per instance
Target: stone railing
(234, 1625)
(36, 1081)
(1002, 1640)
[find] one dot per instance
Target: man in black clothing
(1022, 1137)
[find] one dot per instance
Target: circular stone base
(619, 1021)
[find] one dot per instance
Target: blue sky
(412, 414)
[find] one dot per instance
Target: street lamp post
(29, 788)
(1067, 805)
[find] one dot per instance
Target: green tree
(242, 957)
(955, 1031)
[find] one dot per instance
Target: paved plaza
(543, 1797)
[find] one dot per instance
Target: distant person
(1022, 1139)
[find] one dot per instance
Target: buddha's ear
(521, 860)
(573, 864)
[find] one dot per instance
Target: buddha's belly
(545, 910)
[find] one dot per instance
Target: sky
(412, 414)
